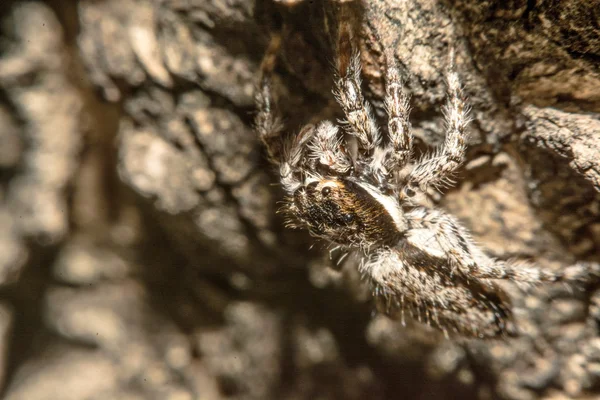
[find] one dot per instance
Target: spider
(420, 261)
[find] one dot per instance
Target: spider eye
(409, 192)
(348, 218)
(325, 191)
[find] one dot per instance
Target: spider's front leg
(381, 162)
(322, 142)
(267, 122)
(437, 169)
(399, 150)
(328, 150)
(348, 93)
(289, 155)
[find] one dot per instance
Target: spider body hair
(409, 271)
(420, 261)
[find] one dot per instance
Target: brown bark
(141, 256)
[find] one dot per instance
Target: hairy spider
(419, 260)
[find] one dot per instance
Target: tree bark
(141, 254)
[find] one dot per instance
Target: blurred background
(141, 256)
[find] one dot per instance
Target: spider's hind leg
(435, 232)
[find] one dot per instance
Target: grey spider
(419, 260)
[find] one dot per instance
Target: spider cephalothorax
(347, 212)
(419, 260)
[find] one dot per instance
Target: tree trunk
(141, 253)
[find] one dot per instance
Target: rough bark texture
(141, 256)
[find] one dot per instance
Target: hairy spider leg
(397, 106)
(328, 150)
(289, 155)
(267, 121)
(437, 169)
(359, 121)
(293, 161)
(448, 236)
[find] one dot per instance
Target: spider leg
(289, 154)
(326, 148)
(360, 121)
(440, 235)
(292, 163)
(267, 122)
(438, 168)
(398, 109)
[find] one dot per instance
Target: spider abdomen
(410, 282)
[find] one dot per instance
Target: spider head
(347, 212)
